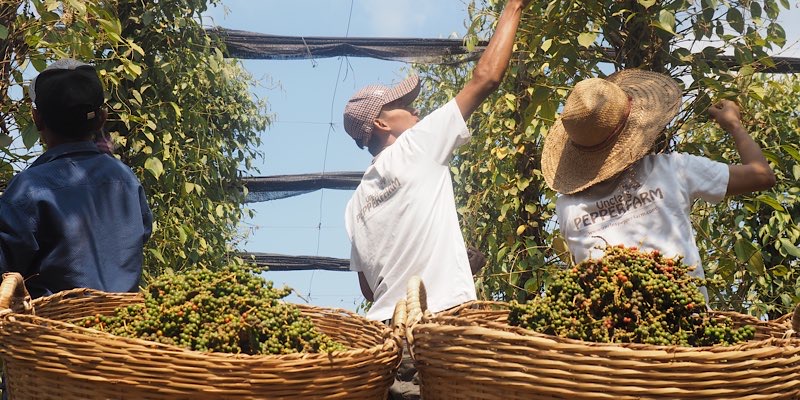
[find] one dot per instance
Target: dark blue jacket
(76, 217)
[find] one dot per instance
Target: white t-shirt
(648, 206)
(402, 218)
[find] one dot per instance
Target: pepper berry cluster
(230, 310)
(628, 296)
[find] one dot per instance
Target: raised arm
(753, 174)
(491, 67)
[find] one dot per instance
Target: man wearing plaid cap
(402, 218)
(77, 216)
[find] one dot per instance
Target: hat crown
(594, 111)
(364, 107)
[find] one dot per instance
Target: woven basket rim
(389, 335)
(488, 328)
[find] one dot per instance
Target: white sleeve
(440, 133)
(703, 178)
(354, 260)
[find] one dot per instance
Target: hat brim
(404, 92)
(655, 101)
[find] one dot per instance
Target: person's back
(77, 217)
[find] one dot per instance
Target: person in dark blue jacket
(76, 217)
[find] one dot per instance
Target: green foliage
(506, 208)
(627, 296)
(750, 243)
(182, 115)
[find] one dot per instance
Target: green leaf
(666, 21)
(747, 253)
(587, 38)
(532, 285)
(112, 28)
(792, 150)
(155, 167)
(790, 247)
(772, 9)
(770, 201)
(30, 135)
(755, 9)
(5, 140)
(546, 45)
(182, 236)
(646, 3)
(735, 19)
(157, 254)
(560, 246)
(3, 32)
(779, 271)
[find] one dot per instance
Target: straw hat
(607, 125)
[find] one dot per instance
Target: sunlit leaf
(154, 166)
(789, 247)
(646, 3)
(587, 38)
(666, 21)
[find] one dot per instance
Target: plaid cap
(364, 107)
(67, 93)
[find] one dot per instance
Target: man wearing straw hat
(613, 191)
(77, 216)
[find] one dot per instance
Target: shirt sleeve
(703, 178)
(440, 133)
(18, 245)
(354, 263)
(147, 215)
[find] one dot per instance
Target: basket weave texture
(47, 357)
(470, 352)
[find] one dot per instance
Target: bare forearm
(749, 151)
(493, 63)
(491, 67)
(754, 173)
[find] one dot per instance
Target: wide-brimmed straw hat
(607, 125)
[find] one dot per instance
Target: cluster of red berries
(628, 296)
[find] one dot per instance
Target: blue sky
(306, 96)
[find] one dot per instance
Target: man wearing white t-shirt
(613, 192)
(402, 218)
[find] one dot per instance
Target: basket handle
(399, 317)
(417, 307)
(12, 291)
(796, 320)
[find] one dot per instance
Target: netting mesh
(251, 45)
(267, 188)
(280, 262)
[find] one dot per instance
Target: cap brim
(404, 92)
(655, 100)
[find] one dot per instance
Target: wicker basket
(47, 357)
(470, 352)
